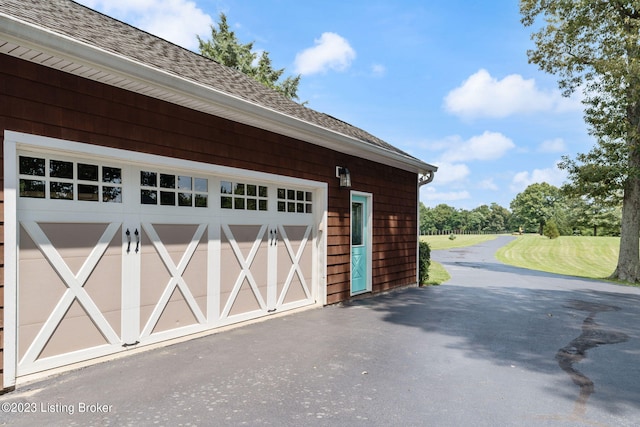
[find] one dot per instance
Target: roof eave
(120, 71)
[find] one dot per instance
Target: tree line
(539, 205)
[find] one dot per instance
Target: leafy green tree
(474, 221)
(498, 218)
(535, 205)
(426, 219)
(483, 212)
(594, 46)
(225, 48)
(551, 229)
(443, 217)
(590, 216)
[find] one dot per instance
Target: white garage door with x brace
(113, 253)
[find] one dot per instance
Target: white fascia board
(217, 102)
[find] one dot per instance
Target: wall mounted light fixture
(344, 175)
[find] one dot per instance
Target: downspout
(422, 180)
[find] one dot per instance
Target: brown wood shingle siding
(43, 101)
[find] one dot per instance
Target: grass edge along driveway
(582, 256)
(437, 273)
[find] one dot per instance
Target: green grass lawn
(582, 256)
(437, 273)
(461, 240)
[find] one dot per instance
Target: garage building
(151, 194)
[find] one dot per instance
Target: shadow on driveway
(532, 329)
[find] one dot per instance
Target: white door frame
(17, 141)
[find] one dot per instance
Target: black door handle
(128, 233)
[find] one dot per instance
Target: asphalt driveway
(494, 346)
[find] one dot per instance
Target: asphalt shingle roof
(76, 21)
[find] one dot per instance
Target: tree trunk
(628, 268)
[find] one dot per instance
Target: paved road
(494, 346)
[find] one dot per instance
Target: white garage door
(114, 254)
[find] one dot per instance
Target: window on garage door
(167, 189)
(54, 178)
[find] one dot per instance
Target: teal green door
(359, 268)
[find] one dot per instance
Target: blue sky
(447, 81)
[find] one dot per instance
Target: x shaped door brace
(295, 267)
(75, 283)
(75, 288)
(245, 264)
(176, 280)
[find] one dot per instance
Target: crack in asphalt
(592, 336)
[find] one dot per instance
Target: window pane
(201, 184)
(282, 207)
(252, 204)
(60, 169)
(282, 193)
(226, 202)
(201, 201)
(88, 192)
(184, 183)
(238, 189)
(291, 194)
(300, 207)
(167, 181)
(252, 190)
(30, 188)
(238, 203)
(185, 199)
(308, 207)
(262, 205)
(112, 194)
(167, 198)
(299, 195)
(148, 197)
(291, 207)
(262, 191)
(148, 179)
(356, 224)
(225, 187)
(31, 166)
(111, 175)
(87, 172)
(61, 190)
(309, 195)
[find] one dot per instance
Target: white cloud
(552, 175)
(431, 194)
(488, 184)
(378, 70)
(482, 95)
(555, 145)
(177, 21)
(449, 172)
(331, 52)
(488, 146)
